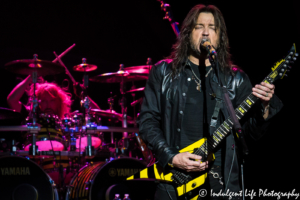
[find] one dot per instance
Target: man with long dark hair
(182, 105)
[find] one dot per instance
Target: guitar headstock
(283, 66)
(166, 8)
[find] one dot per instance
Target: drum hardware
(111, 103)
(111, 115)
(33, 149)
(37, 128)
(95, 179)
(7, 114)
(136, 101)
(28, 66)
(21, 176)
(128, 74)
(136, 90)
(123, 101)
(84, 67)
(13, 147)
(20, 128)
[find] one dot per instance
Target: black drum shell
(15, 171)
(93, 182)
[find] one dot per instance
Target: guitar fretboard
(224, 129)
(278, 71)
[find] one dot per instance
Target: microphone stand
(229, 107)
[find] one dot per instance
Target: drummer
(52, 99)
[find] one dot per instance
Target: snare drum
(50, 136)
(24, 179)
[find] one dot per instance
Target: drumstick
(63, 53)
(67, 71)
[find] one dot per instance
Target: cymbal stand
(123, 103)
(86, 110)
(33, 113)
(133, 98)
(110, 101)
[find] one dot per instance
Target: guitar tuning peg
(167, 16)
(149, 61)
(164, 6)
(296, 54)
(294, 58)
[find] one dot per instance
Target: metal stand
(111, 103)
(85, 102)
(33, 114)
(123, 103)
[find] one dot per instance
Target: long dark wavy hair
(183, 45)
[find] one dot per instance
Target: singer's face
(205, 29)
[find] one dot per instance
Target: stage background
(110, 33)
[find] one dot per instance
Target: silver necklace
(198, 87)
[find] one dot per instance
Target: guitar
(187, 183)
(165, 7)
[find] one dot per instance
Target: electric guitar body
(188, 184)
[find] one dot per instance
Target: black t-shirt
(199, 109)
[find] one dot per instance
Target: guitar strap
(216, 93)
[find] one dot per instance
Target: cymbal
(139, 70)
(111, 115)
(112, 77)
(27, 66)
(84, 67)
(6, 113)
(135, 73)
(136, 90)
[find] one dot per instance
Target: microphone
(209, 48)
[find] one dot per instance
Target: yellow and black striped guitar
(188, 183)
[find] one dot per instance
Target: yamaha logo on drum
(122, 172)
(15, 171)
(112, 172)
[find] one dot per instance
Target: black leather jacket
(160, 119)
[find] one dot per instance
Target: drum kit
(67, 158)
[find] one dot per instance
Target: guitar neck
(224, 129)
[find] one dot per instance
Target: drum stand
(123, 103)
(110, 101)
(85, 102)
(33, 148)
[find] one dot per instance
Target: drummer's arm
(13, 99)
(93, 104)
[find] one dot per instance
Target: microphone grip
(209, 48)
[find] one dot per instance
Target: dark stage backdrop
(110, 33)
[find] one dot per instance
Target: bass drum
(102, 180)
(24, 179)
